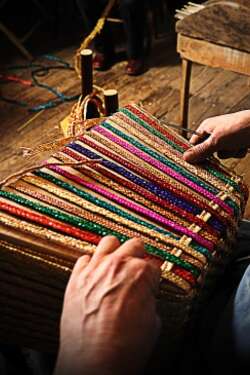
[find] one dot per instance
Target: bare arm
(228, 135)
(109, 322)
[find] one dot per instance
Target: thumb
(200, 152)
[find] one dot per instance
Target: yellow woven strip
(46, 234)
(36, 256)
(159, 145)
(93, 208)
(136, 197)
(176, 280)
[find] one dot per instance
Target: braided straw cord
(78, 122)
(97, 29)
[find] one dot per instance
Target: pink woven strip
(135, 151)
(133, 206)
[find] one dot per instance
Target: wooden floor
(213, 92)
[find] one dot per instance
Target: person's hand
(109, 323)
(228, 135)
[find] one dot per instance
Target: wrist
(77, 363)
(81, 362)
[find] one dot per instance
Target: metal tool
(178, 127)
(203, 137)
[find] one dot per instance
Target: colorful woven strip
(143, 134)
(150, 173)
(141, 168)
(152, 198)
(173, 154)
(79, 201)
(144, 119)
(153, 188)
(84, 233)
(78, 246)
(133, 206)
(95, 176)
(155, 159)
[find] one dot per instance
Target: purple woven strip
(131, 205)
(163, 168)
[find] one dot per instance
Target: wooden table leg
(184, 93)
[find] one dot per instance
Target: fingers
(201, 151)
(133, 247)
(145, 270)
(199, 137)
(107, 245)
(205, 129)
(80, 265)
(204, 143)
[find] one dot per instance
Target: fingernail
(186, 154)
(189, 157)
(138, 240)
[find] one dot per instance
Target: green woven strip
(167, 162)
(93, 227)
(97, 201)
(116, 210)
(209, 168)
(152, 130)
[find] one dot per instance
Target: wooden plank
(212, 92)
(243, 104)
(213, 55)
(219, 82)
(223, 23)
(241, 2)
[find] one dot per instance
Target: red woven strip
(139, 170)
(51, 223)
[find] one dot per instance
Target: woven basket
(137, 185)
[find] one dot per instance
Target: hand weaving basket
(138, 185)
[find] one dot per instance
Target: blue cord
(40, 70)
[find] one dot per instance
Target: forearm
(228, 135)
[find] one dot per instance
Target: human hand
(228, 135)
(109, 323)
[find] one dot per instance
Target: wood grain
(224, 22)
(213, 55)
(212, 93)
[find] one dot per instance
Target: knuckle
(133, 246)
(136, 241)
(205, 123)
(140, 266)
(214, 139)
(82, 260)
(78, 265)
(112, 239)
(117, 259)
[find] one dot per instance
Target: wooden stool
(216, 34)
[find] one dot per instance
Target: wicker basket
(136, 184)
